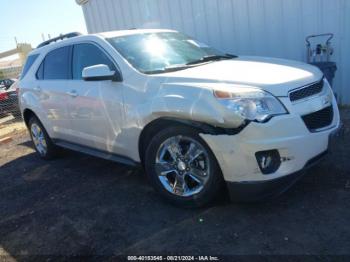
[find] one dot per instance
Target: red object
(3, 96)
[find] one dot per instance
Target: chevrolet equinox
(195, 118)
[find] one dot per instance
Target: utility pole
(16, 42)
(43, 37)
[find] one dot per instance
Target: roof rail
(61, 37)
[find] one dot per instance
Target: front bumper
(297, 146)
(264, 190)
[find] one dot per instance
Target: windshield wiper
(211, 58)
(167, 69)
(178, 67)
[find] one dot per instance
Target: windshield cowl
(211, 58)
(174, 68)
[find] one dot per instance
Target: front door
(95, 107)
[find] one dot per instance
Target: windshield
(163, 51)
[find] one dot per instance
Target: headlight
(251, 103)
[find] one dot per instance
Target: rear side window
(56, 65)
(40, 72)
(30, 60)
(88, 55)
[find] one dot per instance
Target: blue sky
(28, 19)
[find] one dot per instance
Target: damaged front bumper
(297, 146)
(253, 191)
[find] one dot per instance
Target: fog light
(268, 161)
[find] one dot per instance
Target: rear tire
(42, 142)
(188, 174)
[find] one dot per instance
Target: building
(245, 27)
(11, 68)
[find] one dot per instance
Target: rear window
(30, 60)
(40, 72)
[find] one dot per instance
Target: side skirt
(97, 153)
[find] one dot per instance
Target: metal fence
(10, 116)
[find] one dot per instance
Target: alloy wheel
(38, 139)
(182, 166)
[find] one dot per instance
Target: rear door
(53, 89)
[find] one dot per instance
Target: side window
(40, 72)
(88, 55)
(29, 62)
(57, 64)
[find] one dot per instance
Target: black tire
(215, 178)
(51, 150)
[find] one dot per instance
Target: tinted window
(28, 64)
(40, 72)
(88, 55)
(57, 64)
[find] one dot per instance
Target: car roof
(108, 34)
(111, 34)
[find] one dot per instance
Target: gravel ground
(81, 205)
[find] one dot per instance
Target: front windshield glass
(159, 52)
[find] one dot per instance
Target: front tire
(182, 168)
(41, 140)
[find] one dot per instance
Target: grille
(319, 119)
(306, 91)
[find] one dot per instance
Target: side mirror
(99, 73)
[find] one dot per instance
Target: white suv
(194, 117)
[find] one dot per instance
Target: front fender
(158, 99)
(191, 102)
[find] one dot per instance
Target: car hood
(277, 76)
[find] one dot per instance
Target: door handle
(37, 89)
(72, 93)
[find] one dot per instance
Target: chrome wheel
(182, 166)
(38, 138)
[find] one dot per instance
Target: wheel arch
(27, 115)
(154, 126)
